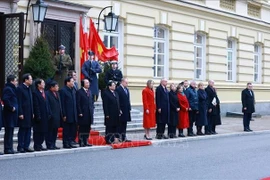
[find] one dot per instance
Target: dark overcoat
(68, 102)
(9, 97)
(25, 108)
(90, 70)
(174, 105)
(41, 111)
(192, 97)
(85, 107)
(162, 102)
(114, 75)
(124, 100)
(111, 108)
(213, 116)
(248, 101)
(56, 109)
(202, 107)
(1, 116)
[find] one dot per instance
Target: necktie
(250, 92)
(125, 89)
(43, 94)
(165, 89)
(54, 93)
(87, 92)
(113, 93)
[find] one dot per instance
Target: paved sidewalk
(229, 127)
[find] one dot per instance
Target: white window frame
(203, 47)
(164, 40)
(257, 54)
(233, 51)
(120, 47)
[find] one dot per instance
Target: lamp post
(39, 10)
(110, 20)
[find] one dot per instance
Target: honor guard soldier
(114, 74)
(62, 62)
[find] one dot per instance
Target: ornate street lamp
(110, 20)
(39, 11)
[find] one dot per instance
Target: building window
(254, 11)
(114, 38)
(257, 63)
(228, 5)
(160, 52)
(199, 56)
(231, 60)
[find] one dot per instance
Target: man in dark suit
(1, 118)
(25, 113)
(42, 115)
(112, 112)
(213, 114)
(73, 74)
(192, 96)
(10, 113)
(124, 100)
(69, 110)
(85, 112)
(114, 74)
(54, 101)
(248, 106)
(163, 109)
(90, 68)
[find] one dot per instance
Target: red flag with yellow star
(83, 45)
(96, 45)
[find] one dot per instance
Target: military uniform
(62, 63)
(114, 75)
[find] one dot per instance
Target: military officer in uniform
(114, 74)
(62, 62)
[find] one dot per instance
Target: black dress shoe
(88, 145)
(164, 137)
(181, 135)
(28, 150)
(56, 147)
(37, 149)
(43, 149)
(250, 130)
(246, 130)
(21, 150)
(72, 146)
(1, 153)
(81, 145)
(200, 134)
(147, 138)
(50, 148)
(127, 140)
(66, 146)
(158, 137)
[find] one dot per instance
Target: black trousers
(110, 134)
(84, 131)
(38, 138)
(74, 132)
(122, 130)
(51, 137)
(192, 119)
(171, 130)
(160, 129)
(246, 120)
(68, 132)
(8, 138)
(24, 138)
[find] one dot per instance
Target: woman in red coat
(183, 120)
(149, 109)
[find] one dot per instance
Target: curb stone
(155, 143)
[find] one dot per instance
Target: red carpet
(97, 140)
(268, 178)
(131, 144)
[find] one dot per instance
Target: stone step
(240, 115)
(101, 127)
(132, 112)
(101, 117)
(133, 120)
